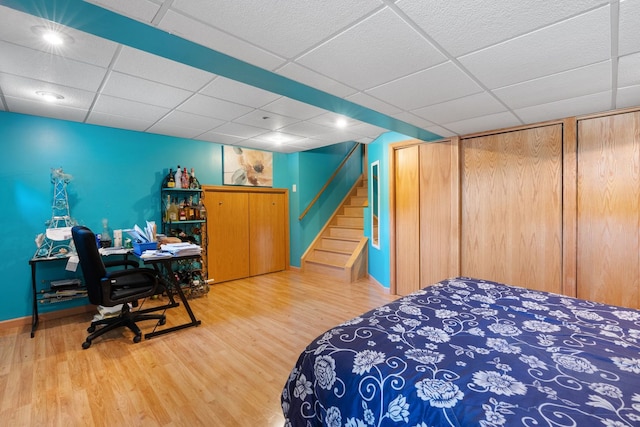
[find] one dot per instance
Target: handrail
(315, 199)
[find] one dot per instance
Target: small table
(164, 267)
(33, 262)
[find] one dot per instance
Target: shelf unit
(191, 273)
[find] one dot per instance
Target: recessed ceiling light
(52, 36)
(49, 96)
(341, 122)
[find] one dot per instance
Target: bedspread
(466, 352)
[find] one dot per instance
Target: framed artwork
(244, 166)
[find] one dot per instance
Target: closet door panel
(228, 235)
(608, 231)
(511, 198)
(267, 233)
(436, 201)
(407, 219)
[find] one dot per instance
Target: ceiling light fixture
(49, 96)
(52, 36)
(341, 123)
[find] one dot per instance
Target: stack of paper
(182, 249)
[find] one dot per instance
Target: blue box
(139, 248)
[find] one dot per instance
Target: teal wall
(117, 175)
(315, 167)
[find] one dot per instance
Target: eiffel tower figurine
(56, 241)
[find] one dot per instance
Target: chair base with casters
(126, 318)
(109, 286)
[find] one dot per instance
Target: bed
(468, 352)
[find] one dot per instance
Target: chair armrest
(121, 262)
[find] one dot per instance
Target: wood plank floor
(227, 372)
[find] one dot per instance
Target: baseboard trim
(43, 317)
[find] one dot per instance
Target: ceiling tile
(408, 117)
(463, 26)
(569, 84)
(629, 23)
(42, 66)
(44, 109)
(285, 28)
(292, 108)
(142, 10)
(373, 103)
(443, 132)
(431, 86)
(629, 70)
(240, 93)
(484, 123)
(311, 78)
(306, 128)
(17, 29)
(126, 108)
(144, 91)
(144, 65)
(239, 130)
(628, 97)
(480, 104)
(122, 122)
(365, 56)
(220, 41)
(213, 107)
(265, 120)
(543, 52)
(24, 88)
(220, 138)
(566, 107)
(187, 120)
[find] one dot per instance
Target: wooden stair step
(334, 259)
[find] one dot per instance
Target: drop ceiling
(276, 75)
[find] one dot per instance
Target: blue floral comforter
(468, 352)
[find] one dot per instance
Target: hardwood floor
(227, 372)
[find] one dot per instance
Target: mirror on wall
(375, 204)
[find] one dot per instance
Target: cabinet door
(407, 220)
(228, 235)
(609, 209)
(511, 201)
(266, 233)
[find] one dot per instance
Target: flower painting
(243, 166)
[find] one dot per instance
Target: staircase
(340, 250)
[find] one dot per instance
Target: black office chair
(113, 287)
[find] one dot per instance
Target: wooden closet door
(267, 233)
(511, 228)
(407, 219)
(608, 231)
(228, 235)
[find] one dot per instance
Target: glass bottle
(182, 213)
(193, 181)
(203, 211)
(185, 178)
(168, 181)
(105, 237)
(178, 177)
(173, 211)
(167, 207)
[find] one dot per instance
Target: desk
(163, 265)
(33, 262)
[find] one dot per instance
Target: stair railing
(331, 178)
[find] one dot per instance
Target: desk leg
(34, 313)
(172, 285)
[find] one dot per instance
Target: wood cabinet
(608, 209)
(425, 212)
(248, 231)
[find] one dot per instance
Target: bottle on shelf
(194, 184)
(192, 214)
(173, 211)
(185, 178)
(178, 177)
(169, 180)
(203, 211)
(182, 213)
(167, 206)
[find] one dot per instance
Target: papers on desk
(115, 250)
(181, 249)
(143, 236)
